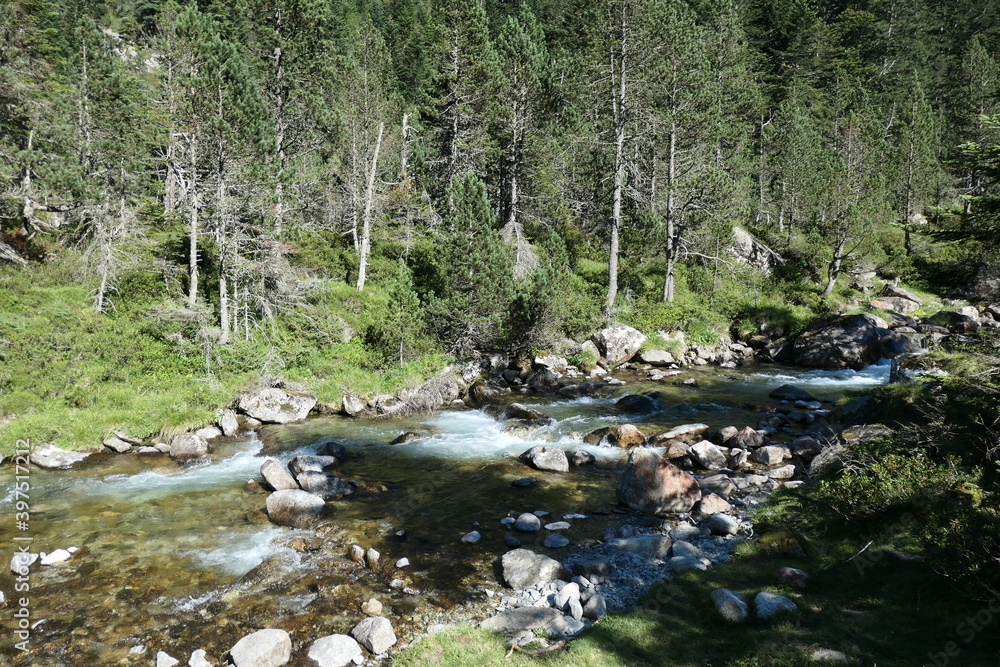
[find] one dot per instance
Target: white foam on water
(869, 376)
(192, 602)
(467, 434)
(241, 552)
(197, 477)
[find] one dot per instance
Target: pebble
(472, 538)
(524, 483)
(557, 525)
(556, 541)
(511, 541)
(572, 516)
(527, 523)
(402, 562)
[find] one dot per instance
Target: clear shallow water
(166, 549)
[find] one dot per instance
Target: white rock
(375, 634)
(402, 562)
(227, 422)
(57, 556)
(335, 651)
(198, 659)
(165, 660)
(21, 563)
(565, 594)
(472, 538)
(265, 648)
(708, 455)
(557, 525)
(723, 524)
(208, 433)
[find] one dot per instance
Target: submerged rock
(653, 485)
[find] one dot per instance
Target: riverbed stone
(747, 438)
(581, 457)
(707, 455)
(375, 633)
(335, 651)
(653, 485)
(771, 455)
(372, 557)
(731, 605)
(57, 556)
(637, 404)
(657, 358)
(770, 604)
(208, 432)
(164, 659)
(558, 525)
(308, 463)
(628, 436)
(806, 447)
(323, 484)
(712, 503)
(527, 523)
(784, 472)
(187, 446)
(852, 341)
(789, 392)
(829, 655)
(51, 457)
(117, 445)
(199, 659)
(295, 508)
(226, 419)
(550, 458)
(523, 568)
(556, 541)
(793, 577)
(724, 436)
(689, 433)
(650, 546)
(596, 607)
(277, 476)
(684, 563)
(618, 343)
(723, 524)
(277, 406)
(565, 594)
(472, 538)
(265, 648)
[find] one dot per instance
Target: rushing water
(177, 558)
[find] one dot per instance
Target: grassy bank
(69, 375)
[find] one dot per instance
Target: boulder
(116, 444)
(747, 438)
(277, 406)
(546, 619)
(657, 358)
(331, 448)
(628, 436)
(723, 524)
(486, 390)
(684, 563)
(334, 651)
(351, 405)
(404, 438)
(780, 351)
(806, 447)
(712, 503)
(323, 484)
(892, 291)
(769, 604)
(375, 634)
(51, 457)
(895, 304)
(719, 484)
(552, 362)
(784, 472)
(789, 392)
(556, 541)
(307, 463)
(580, 390)
(707, 455)
(226, 419)
(724, 435)
(523, 569)
(208, 433)
(442, 389)
(295, 508)
(541, 457)
(582, 457)
(521, 411)
(542, 379)
(653, 485)
(638, 404)
(596, 607)
(793, 577)
(601, 437)
(277, 476)
(187, 446)
(852, 341)
(771, 455)
(618, 343)
(690, 433)
(527, 523)
(731, 605)
(264, 648)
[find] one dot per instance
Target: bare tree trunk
(367, 217)
(404, 148)
(193, 223)
(618, 90)
(279, 127)
(672, 226)
(222, 242)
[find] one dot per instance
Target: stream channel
(180, 558)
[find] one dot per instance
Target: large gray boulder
(264, 648)
(707, 455)
(277, 406)
(375, 634)
(550, 458)
(852, 341)
(51, 457)
(653, 485)
(771, 604)
(657, 358)
(295, 508)
(323, 484)
(117, 445)
(277, 476)
(618, 343)
(187, 446)
(731, 605)
(334, 651)
(523, 569)
(226, 419)
(310, 463)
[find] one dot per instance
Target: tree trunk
(404, 152)
(367, 216)
(833, 270)
(618, 90)
(672, 226)
(193, 224)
